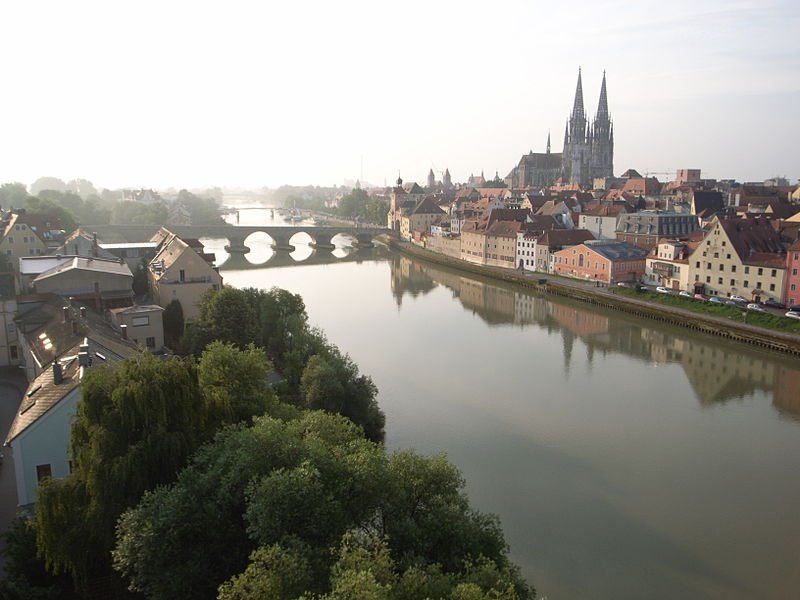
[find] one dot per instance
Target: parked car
(773, 303)
(738, 299)
(793, 314)
(662, 290)
(700, 297)
(716, 300)
(755, 307)
(685, 294)
(641, 288)
(730, 302)
(794, 308)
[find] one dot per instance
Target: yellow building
(745, 257)
(178, 272)
(20, 238)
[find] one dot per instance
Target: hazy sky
(263, 93)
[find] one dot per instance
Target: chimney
(83, 353)
(58, 373)
(65, 313)
(124, 331)
(83, 312)
(94, 244)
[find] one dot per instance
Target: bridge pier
(280, 240)
(236, 246)
(322, 241)
(364, 240)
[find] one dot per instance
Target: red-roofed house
(791, 294)
(740, 256)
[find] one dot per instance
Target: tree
(47, 183)
(135, 426)
(173, 323)
(140, 283)
(81, 187)
(333, 383)
(229, 317)
(234, 382)
(13, 195)
(265, 508)
(39, 205)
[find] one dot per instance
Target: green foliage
(274, 572)
(202, 210)
(39, 205)
(25, 577)
(292, 496)
(135, 427)
(333, 383)
(234, 382)
(47, 183)
(173, 324)
(228, 316)
(13, 195)
(135, 213)
(81, 187)
(358, 203)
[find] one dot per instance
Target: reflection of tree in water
(716, 369)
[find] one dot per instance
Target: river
(626, 459)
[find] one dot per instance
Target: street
(12, 387)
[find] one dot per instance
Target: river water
(626, 459)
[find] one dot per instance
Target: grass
(765, 320)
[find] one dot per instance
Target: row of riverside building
(690, 234)
(68, 304)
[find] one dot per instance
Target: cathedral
(588, 150)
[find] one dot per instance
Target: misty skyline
(197, 95)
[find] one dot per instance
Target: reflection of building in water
(787, 390)
(718, 374)
(408, 277)
(717, 371)
(664, 345)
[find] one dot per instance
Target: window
(733, 283)
(793, 287)
(697, 264)
(708, 279)
(12, 350)
(794, 271)
(774, 272)
(716, 254)
(758, 285)
(719, 280)
(183, 275)
(140, 321)
(43, 471)
(760, 271)
(747, 270)
(708, 265)
(150, 342)
(729, 256)
(10, 241)
(746, 283)
(721, 267)
(771, 287)
(733, 268)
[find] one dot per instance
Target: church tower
(588, 147)
(431, 180)
(602, 138)
(577, 141)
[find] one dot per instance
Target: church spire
(577, 107)
(602, 106)
(548, 141)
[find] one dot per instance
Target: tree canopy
(308, 506)
(135, 427)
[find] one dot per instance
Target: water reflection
(717, 370)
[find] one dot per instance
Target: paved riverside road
(12, 387)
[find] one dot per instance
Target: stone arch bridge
(236, 235)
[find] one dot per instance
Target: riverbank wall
(785, 343)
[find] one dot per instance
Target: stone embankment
(777, 341)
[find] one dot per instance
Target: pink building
(791, 291)
(607, 261)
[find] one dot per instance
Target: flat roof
(125, 245)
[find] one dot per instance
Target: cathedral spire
(602, 106)
(548, 141)
(577, 107)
